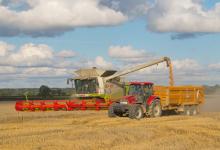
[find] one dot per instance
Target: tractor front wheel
(136, 112)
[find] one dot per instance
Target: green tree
(44, 91)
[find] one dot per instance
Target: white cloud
(34, 56)
(33, 64)
(5, 48)
(30, 55)
(38, 63)
(102, 63)
(186, 64)
(128, 53)
(215, 66)
(181, 66)
(7, 70)
(44, 72)
(66, 54)
(183, 16)
(52, 17)
(98, 62)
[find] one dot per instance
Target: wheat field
(93, 130)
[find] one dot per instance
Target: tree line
(44, 92)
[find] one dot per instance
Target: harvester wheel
(111, 112)
(136, 112)
(155, 109)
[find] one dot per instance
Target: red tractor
(138, 102)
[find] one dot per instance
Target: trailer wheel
(155, 109)
(194, 110)
(136, 112)
(187, 110)
(111, 112)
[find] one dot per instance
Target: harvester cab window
(86, 86)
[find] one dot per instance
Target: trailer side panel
(174, 96)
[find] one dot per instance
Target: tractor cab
(140, 90)
(138, 102)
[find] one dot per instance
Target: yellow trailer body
(172, 97)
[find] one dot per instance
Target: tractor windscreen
(135, 90)
(86, 86)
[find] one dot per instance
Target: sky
(44, 42)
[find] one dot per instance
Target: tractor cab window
(135, 90)
(148, 89)
(86, 86)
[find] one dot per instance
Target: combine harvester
(96, 89)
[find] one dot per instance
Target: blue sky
(143, 30)
(210, 3)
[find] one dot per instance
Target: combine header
(60, 105)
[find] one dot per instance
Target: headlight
(124, 102)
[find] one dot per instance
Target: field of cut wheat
(93, 130)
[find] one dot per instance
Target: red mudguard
(151, 99)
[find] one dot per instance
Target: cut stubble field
(94, 130)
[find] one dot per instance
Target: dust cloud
(212, 102)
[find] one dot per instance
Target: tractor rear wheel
(111, 112)
(136, 112)
(155, 109)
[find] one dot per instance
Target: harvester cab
(138, 102)
(90, 84)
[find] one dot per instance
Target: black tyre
(187, 110)
(111, 112)
(135, 112)
(155, 109)
(194, 110)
